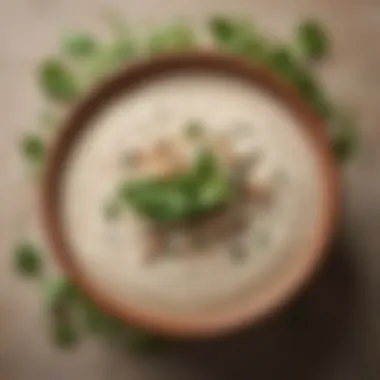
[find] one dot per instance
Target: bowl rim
(281, 290)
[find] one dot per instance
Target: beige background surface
(332, 332)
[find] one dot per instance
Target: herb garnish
(203, 187)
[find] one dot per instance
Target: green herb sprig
(202, 188)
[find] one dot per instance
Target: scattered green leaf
(61, 295)
(124, 45)
(28, 259)
(96, 321)
(175, 37)
(282, 60)
(79, 44)
(33, 148)
(65, 334)
(312, 40)
(57, 81)
(312, 91)
(344, 137)
(238, 36)
(225, 29)
(123, 50)
(107, 59)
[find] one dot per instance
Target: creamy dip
(112, 253)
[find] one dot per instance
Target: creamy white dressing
(113, 254)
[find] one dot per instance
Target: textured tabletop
(333, 330)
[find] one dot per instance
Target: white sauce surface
(112, 253)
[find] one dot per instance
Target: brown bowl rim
(195, 325)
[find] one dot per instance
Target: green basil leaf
(200, 189)
(79, 45)
(282, 60)
(206, 166)
(312, 40)
(57, 81)
(213, 193)
(311, 90)
(65, 334)
(33, 148)
(225, 29)
(174, 37)
(238, 36)
(344, 137)
(60, 293)
(28, 259)
(158, 199)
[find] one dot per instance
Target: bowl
(286, 278)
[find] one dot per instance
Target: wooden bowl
(286, 283)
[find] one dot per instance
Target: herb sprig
(202, 188)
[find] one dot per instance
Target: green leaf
(33, 148)
(61, 295)
(65, 334)
(159, 199)
(171, 38)
(206, 166)
(282, 60)
(312, 40)
(79, 45)
(238, 36)
(98, 66)
(96, 321)
(311, 90)
(123, 50)
(106, 60)
(253, 48)
(213, 193)
(344, 137)
(223, 29)
(198, 190)
(123, 47)
(212, 186)
(57, 81)
(28, 259)
(285, 63)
